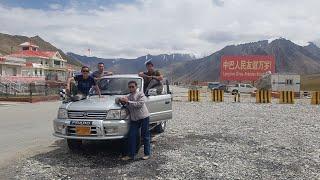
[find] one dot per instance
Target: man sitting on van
(152, 79)
(100, 72)
(85, 83)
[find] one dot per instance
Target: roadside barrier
(217, 95)
(193, 95)
(286, 97)
(263, 96)
(315, 99)
(237, 97)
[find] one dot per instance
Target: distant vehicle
(213, 84)
(217, 85)
(242, 88)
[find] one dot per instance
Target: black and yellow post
(315, 99)
(237, 97)
(263, 96)
(217, 95)
(286, 97)
(193, 95)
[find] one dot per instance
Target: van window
(242, 85)
(116, 86)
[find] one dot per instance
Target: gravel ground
(204, 140)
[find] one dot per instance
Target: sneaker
(126, 158)
(145, 157)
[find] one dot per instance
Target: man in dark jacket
(152, 78)
(85, 83)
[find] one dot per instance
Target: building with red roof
(48, 65)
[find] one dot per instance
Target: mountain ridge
(123, 65)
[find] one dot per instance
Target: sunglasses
(131, 87)
(85, 71)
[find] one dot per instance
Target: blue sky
(64, 4)
(132, 28)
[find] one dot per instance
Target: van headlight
(117, 114)
(62, 114)
(59, 127)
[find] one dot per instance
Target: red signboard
(245, 68)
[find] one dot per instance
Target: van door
(160, 107)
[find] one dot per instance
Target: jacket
(137, 107)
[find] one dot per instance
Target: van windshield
(116, 86)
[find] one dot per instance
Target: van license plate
(81, 123)
(83, 130)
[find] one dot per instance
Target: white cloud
(167, 26)
(55, 6)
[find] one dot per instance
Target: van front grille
(87, 114)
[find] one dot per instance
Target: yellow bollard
(286, 97)
(217, 95)
(315, 99)
(193, 95)
(263, 96)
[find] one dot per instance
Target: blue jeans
(145, 133)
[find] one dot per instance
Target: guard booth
(285, 82)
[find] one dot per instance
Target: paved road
(23, 127)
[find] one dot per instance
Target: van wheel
(74, 144)
(160, 128)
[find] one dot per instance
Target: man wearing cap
(152, 78)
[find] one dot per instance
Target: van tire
(160, 128)
(74, 144)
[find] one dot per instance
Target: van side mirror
(63, 94)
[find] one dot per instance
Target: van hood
(94, 103)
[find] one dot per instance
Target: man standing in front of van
(139, 118)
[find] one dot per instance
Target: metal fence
(30, 89)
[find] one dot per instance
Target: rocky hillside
(10, 43)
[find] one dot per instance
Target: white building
(11, 66)
(285, 82)
(48, 65)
